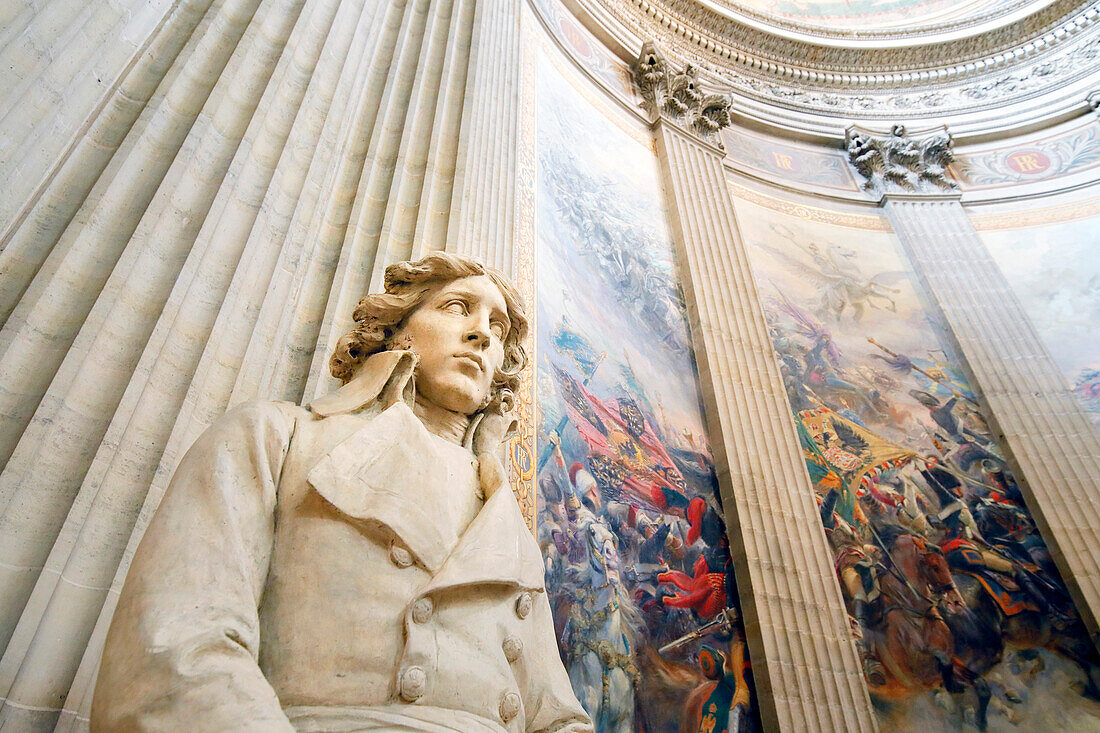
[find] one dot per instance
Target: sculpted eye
(457, 307)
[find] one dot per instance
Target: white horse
(599, 635)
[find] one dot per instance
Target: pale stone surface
(808, 674)
(378, 532)
(199, 229)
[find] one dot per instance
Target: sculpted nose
(479, 331)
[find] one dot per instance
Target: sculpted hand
(493, 430)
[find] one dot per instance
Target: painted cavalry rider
(965, 549)
(857, 568)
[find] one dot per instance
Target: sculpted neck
(450, 426)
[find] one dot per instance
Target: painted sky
(1054, 270)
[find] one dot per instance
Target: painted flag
(850, 450)
(573, 345)
(625, 454)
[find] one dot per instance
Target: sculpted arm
(183, 645)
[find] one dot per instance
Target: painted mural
(637, 561)
(590, 53)
(960, 617)
(1054, 270)
(789, 161)
(1069, 151)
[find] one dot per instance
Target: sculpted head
(464, 321)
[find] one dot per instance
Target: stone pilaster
(483, 218)
(807, 670)
(255, 168)
(1052, 447)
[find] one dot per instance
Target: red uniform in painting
(706, 591)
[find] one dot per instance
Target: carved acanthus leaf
(676, 95)
(899, 162)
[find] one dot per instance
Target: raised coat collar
(368, 477)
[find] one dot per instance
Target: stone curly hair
(379, 315)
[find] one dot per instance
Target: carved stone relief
(1044, 52)
(677, 95)
(900, 162)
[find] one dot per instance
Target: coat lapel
(369, 474)
(497, 547)
(370, 477)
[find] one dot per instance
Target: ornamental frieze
(727, 40)
(1055, 47)
(959, 95)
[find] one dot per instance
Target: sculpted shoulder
(264, 425)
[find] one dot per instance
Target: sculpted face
(458, 332)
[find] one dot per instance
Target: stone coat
(301, 573)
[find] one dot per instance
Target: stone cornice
(726, 42)
(826, 33)
(1012, 76)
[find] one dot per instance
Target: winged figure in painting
(842, 287)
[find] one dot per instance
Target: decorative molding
(805, 26)
(899, 162)
(876, 222)
(968, 77)
(729, 41)
(678, 96)
(1093, 100)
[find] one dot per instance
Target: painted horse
(998, 618)
(600, 633)
(911, 638)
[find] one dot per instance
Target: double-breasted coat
(301, 574)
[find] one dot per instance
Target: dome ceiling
(813, 67)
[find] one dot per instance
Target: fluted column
(484, 213)
(807, 671)
(808, 674)
(488, 194)
(1051, 445)
(1053, 448)
(243, 182)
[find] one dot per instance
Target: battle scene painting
(960, 617)
(631, 525)
(1054, 271)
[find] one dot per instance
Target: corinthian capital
(899, 162)
(676, 95)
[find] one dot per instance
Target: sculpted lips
(475, 358)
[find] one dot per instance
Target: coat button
(513, 647)
(422, 610)
(523, 604)
(509, 706)
(401, 557)
(412, 684)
